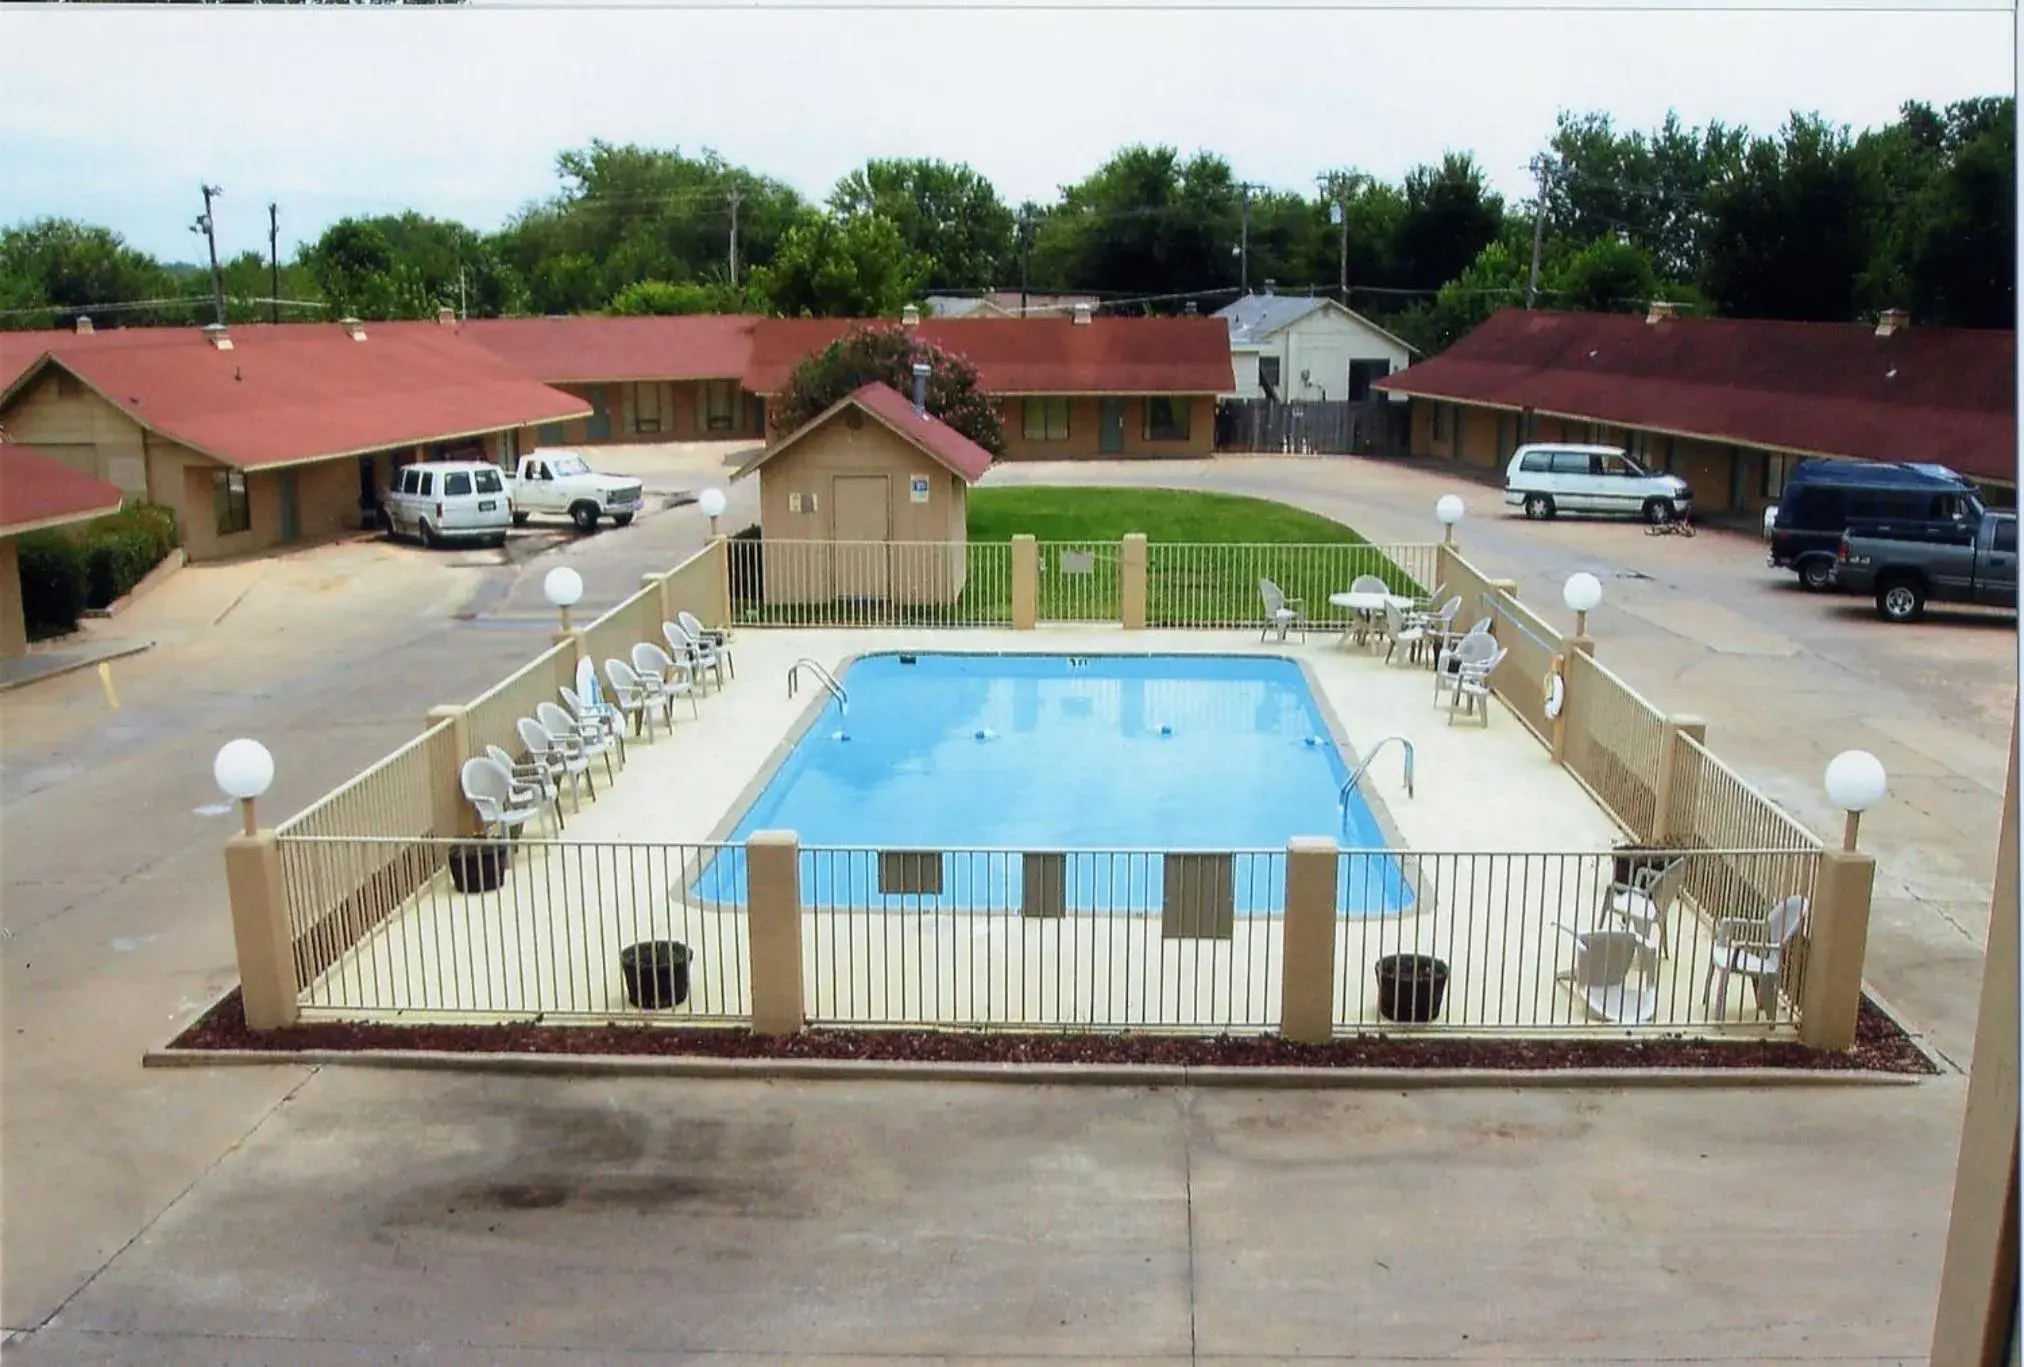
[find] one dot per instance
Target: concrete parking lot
(281, 1215)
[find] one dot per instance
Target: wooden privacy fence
(1371, 427)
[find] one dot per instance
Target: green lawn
(1070, 514)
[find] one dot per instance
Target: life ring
(1553, 695)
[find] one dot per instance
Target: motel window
(1776, 467)
(1045, 419)
(720, 404)
(1166, 418)
(1440, 422)
(228, 499)
(648, 413)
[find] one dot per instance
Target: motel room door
(597, 427)
(1110, 427)
(861, 515)
(291, 507)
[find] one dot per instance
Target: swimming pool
(1077, 754)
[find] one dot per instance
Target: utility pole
(1025, 252)
(205, 226)
(1342, 282)
(1244, 241)
(736, 195)
(462, 311)
(273, 263)
(1542, 168)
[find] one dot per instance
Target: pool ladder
(822, 675)
(1355, 778)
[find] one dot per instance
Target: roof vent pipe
(1893, 321)
(920, 389)
(217, 336)
(1082, 315)
(353, 328)
(910, 316)
(1660, 311)
(83, 325)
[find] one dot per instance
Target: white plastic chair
(1645, 902)
(1754, 947)
(632, 697)
(699, 654)
(1281, 613)
(1401, 630)
(1472, 687)
(531, 783)
(1445, 659)
(719, 642)
(602, 715)
(665, 677)
(1366, 583)
(562, 758)
(590, 737)
(1474, 648)
(502, 805)
(1438, 626)
(1601, 979)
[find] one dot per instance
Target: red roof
(1944, 395)
(293, 393)
(37, 490)
(589, 348)
(1033, 355)
(936, 438)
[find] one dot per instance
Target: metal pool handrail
(1350, 786)
(836, 690)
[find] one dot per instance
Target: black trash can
(1410, 987)
(478, 868)
(656, 973)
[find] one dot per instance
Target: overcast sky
(116, 117)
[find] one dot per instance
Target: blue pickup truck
(1907, 565)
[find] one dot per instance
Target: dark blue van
(1823, 496)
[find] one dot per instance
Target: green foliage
(1146, 222)
(1450, 217)
(54, 583)
(121, 548)
(947, 214)
(68, 266)
(1609, 275)
(661, 297)
(831, 267)
(1791, 229)
(886, 355)
(358, 273)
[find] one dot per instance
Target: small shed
(38, 491)
(868, 501)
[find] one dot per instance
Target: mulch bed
(1880, 1046)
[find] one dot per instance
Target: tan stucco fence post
(566, 659)
(660, 601)
(1837, 941)
(1307, 964)
(1131, 587)
(1569, 701)
(1978, 1286)
(1667, 791)
(260, 932)
(450, 815)
(773, 921)
(1025, 582)
(719, 614)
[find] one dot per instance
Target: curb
(150, 581)
(1022, 1074)
(134, 648)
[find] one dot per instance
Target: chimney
(1188, 309)
(920, 389)
(1082, 315)
(1660, 312)
(910, 316)
(446, 317)
(1270, 286)
(83, 325)
(353, 328)
(1893, 321)
(217, 335)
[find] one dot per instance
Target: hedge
(63, 574)
(54, 582)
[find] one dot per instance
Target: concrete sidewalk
(66, 657)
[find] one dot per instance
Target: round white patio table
(1366, 603)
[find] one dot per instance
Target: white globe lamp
(244, 770)
(1582, 592)
(562, 586)
(1855, 782)
(1449, 510)
(712, 502)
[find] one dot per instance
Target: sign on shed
(917, 487)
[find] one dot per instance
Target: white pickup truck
(562, 484)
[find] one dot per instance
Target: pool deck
(547, 941)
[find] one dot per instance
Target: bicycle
(1670, 527)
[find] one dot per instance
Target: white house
(1307, 350)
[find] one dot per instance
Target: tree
(1145, 223)
(1450, 217)
(661, 297)
(1962, 264)
(1791, 227)
(885, 354)
(1606, 276)
(66, 267)
(828, 267)
(948, 214)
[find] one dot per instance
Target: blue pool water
(1052, 753)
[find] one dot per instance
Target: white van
(1551, 477)
(450, 500)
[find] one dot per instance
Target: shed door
(861, 512)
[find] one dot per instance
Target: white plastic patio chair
(590, 737)
(562, 756)
(502, 805)
(698, 653)
(632, 697)
(1754, 947)
(531, 783)
(1401, 630)
(1644, 903)
(718, 641)
(1472, 687)
(602, 715)
(1438, 626)
(666, 678)
(1612, 976)
(1473, 648)
(1281, 613)
(1444, 659)
(1366, 583)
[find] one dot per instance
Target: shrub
(121, 548)
(54, 582)
(887, 355)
